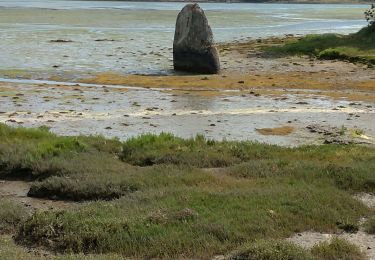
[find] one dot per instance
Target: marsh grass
(11, 251)
(282, 250)
(74, 167)
(337, 249)
(167, 149)
(275, 250)
(370, 225)
(150, 197)
(199, 219)
(358, 47)
(11, 214)
(84, 176)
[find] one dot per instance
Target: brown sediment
(283, 130)
(200, 93)
(5, 89)
(288, 80)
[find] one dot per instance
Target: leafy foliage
(370, 16)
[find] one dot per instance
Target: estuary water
(48, 37)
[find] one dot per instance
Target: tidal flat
(252, 92)
(125, 112)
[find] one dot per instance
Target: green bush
(331, 54)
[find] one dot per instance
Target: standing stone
(193, 48)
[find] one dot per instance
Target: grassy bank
(357, 47)
(153, 196)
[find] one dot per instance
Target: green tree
(370, 16)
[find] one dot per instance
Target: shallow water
(128, 37)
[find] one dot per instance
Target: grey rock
(193, 47)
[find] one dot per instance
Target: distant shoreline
(338, 2)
